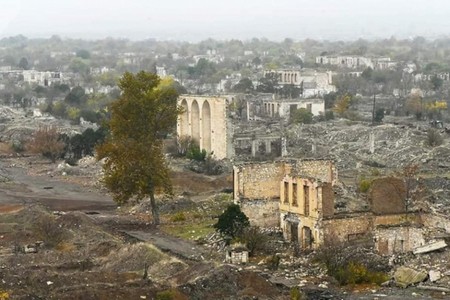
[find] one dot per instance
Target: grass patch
(189, 231)
(178, 217)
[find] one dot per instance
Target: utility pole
(373, 108)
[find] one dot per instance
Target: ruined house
(284, 108)
(312, 82)
(257, 185)
(299, 196)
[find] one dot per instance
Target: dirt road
(51, 192)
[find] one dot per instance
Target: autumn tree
(342, 104)
(414, 104)
(135, 166)
(46, 141)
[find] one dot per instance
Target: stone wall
(398, 239)
(262, 213)
(327, 200)
(346, 229)
(322, 170)
(259, 181)
(351, 227)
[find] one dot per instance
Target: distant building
(312, 82)
(42, 78)
(357, 62)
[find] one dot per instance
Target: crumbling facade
(257, 185)
(299, 196)
(283, 108)
(312, 82)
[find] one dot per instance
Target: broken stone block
(29, 249)
(405, 277)
(440, 244)
(434, 275)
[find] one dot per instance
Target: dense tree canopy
(135, 166)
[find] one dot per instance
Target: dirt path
(48, 191)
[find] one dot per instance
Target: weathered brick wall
(396, 219)
(323, 170)
(346, 228)
(259, 181)
(387, 196)
(343, 229)
(327, 200)
(262, 213)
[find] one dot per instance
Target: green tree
(84, 54)
(232, 221)
(379, 115)
(245, 85)
(23, 63)
(76, 96)
(135, 165)
(302, 115)
(436, 82)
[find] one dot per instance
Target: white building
(42, 78)
(284, 108)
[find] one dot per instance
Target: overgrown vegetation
(47, 229)
(434, 138)
(351, 265)
(47, 141)
(232, 222)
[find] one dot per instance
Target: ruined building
(205, 119)
(220, 125)
(299, 196)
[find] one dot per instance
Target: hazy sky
(195, 20)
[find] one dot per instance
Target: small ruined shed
(236, 254)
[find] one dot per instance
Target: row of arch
(195, 121)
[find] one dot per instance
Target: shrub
(296, 294)
(184, 143)
(178, 217)
(302, 116)
(195, 153)
(46, 141)
(4, 295)
(434, 138)
(47, 229)
(364, 185)
(254, 239)
(379, 115)
(375, 172)
(273, 262)
(165, 295)
(213, 166)
(17, 146)
(232, 221)
(357, 273)
(351, 265)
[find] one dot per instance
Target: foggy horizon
(200, 19)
